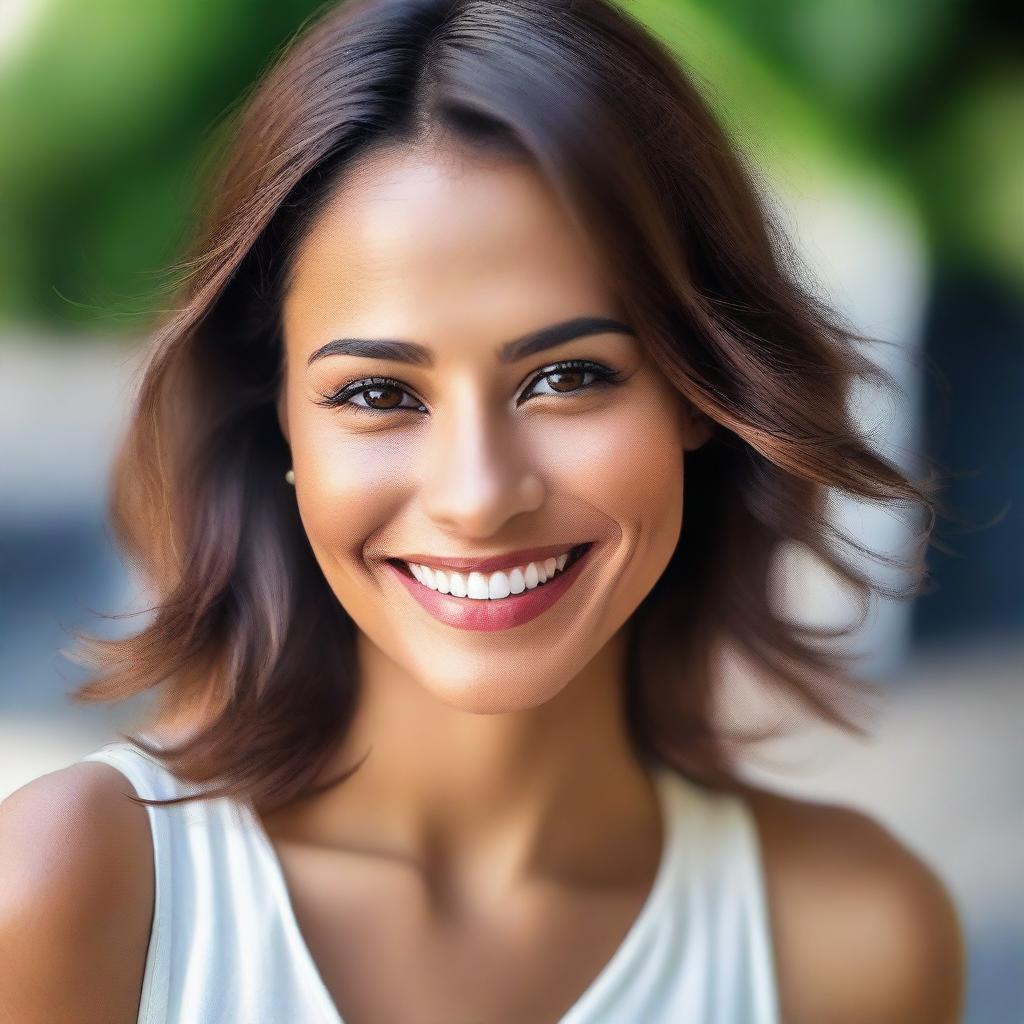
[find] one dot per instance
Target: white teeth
(498, 586)
(493, 586)
(476, 586)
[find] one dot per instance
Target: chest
(386, 954)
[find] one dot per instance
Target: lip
(491, 563)
(490, 615)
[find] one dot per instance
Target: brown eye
(569, 378)
(391, 400)
(372, 395)
(565, 380)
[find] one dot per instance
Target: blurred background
(889, 140)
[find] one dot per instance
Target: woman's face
(472, 449)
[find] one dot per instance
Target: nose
(478, 473)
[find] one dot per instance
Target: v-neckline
(662, 779)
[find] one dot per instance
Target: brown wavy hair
(244, 622)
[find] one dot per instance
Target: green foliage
(106, 107)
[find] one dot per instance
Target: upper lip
(492, 562)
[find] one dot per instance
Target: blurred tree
(106, 106)
(933, 88)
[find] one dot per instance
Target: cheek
(627, 465)
(626, 459)
(349, 485)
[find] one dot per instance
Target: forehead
(422, 243)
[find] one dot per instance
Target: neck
(523, 792)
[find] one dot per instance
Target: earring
(290, 477)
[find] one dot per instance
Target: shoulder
(77, 900)
(863, 929)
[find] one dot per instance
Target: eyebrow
(510, 352)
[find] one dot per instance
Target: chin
(494, 696)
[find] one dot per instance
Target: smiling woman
(482, 287)
(488, 443)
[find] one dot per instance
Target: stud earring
(290, 477)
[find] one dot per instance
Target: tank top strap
(152, 781)
(220, 950)
(720, 881)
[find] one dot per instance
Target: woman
(482, 285)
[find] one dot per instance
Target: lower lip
(500, 613)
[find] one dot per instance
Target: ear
(282, 411)
(697, 428)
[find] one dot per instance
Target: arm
(76, 899)
(864, 931)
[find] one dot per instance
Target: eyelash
(605, 377)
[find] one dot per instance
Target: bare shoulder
(863, 928)
(76, 859)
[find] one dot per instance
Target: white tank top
(225, 946)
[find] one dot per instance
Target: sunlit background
(890, 138)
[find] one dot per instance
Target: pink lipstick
(492, 613)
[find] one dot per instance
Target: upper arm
(76, 898)
(863, 929)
